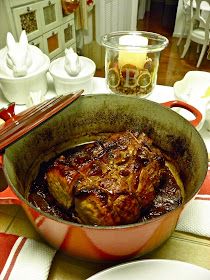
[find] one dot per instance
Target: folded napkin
(24, 258)
(195, 218)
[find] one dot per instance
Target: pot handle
(7, 196)
(188, 107)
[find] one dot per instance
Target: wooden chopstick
(22, 123)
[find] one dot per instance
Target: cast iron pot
(83, 121)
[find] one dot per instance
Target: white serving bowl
(17, 89)
(64, 83)
(192, 89)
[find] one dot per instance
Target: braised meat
(121, 180)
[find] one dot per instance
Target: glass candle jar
(132, 61)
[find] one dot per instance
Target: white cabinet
(38, 42)
(53, 44)
(28, 17)
(44, 22)
(51, 14)
(68, 33)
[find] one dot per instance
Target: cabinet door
(28, 18)
(38, 42)
(53, 42)
(15, 3)
(68, 33)
(51, 14)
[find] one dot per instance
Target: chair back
(200, 17)
(199, 27)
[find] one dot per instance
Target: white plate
(153, 270)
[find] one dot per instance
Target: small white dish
(158, 269)
(193, 89)
(64, 83)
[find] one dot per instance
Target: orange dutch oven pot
(83, 121)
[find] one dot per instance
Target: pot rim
(132, 225)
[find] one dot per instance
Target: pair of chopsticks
(16, 126)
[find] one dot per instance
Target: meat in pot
(119, 180)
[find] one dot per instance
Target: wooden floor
(171, 67)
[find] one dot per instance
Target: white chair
(199, 27)
(186, 17)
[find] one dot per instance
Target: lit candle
(136, 57)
